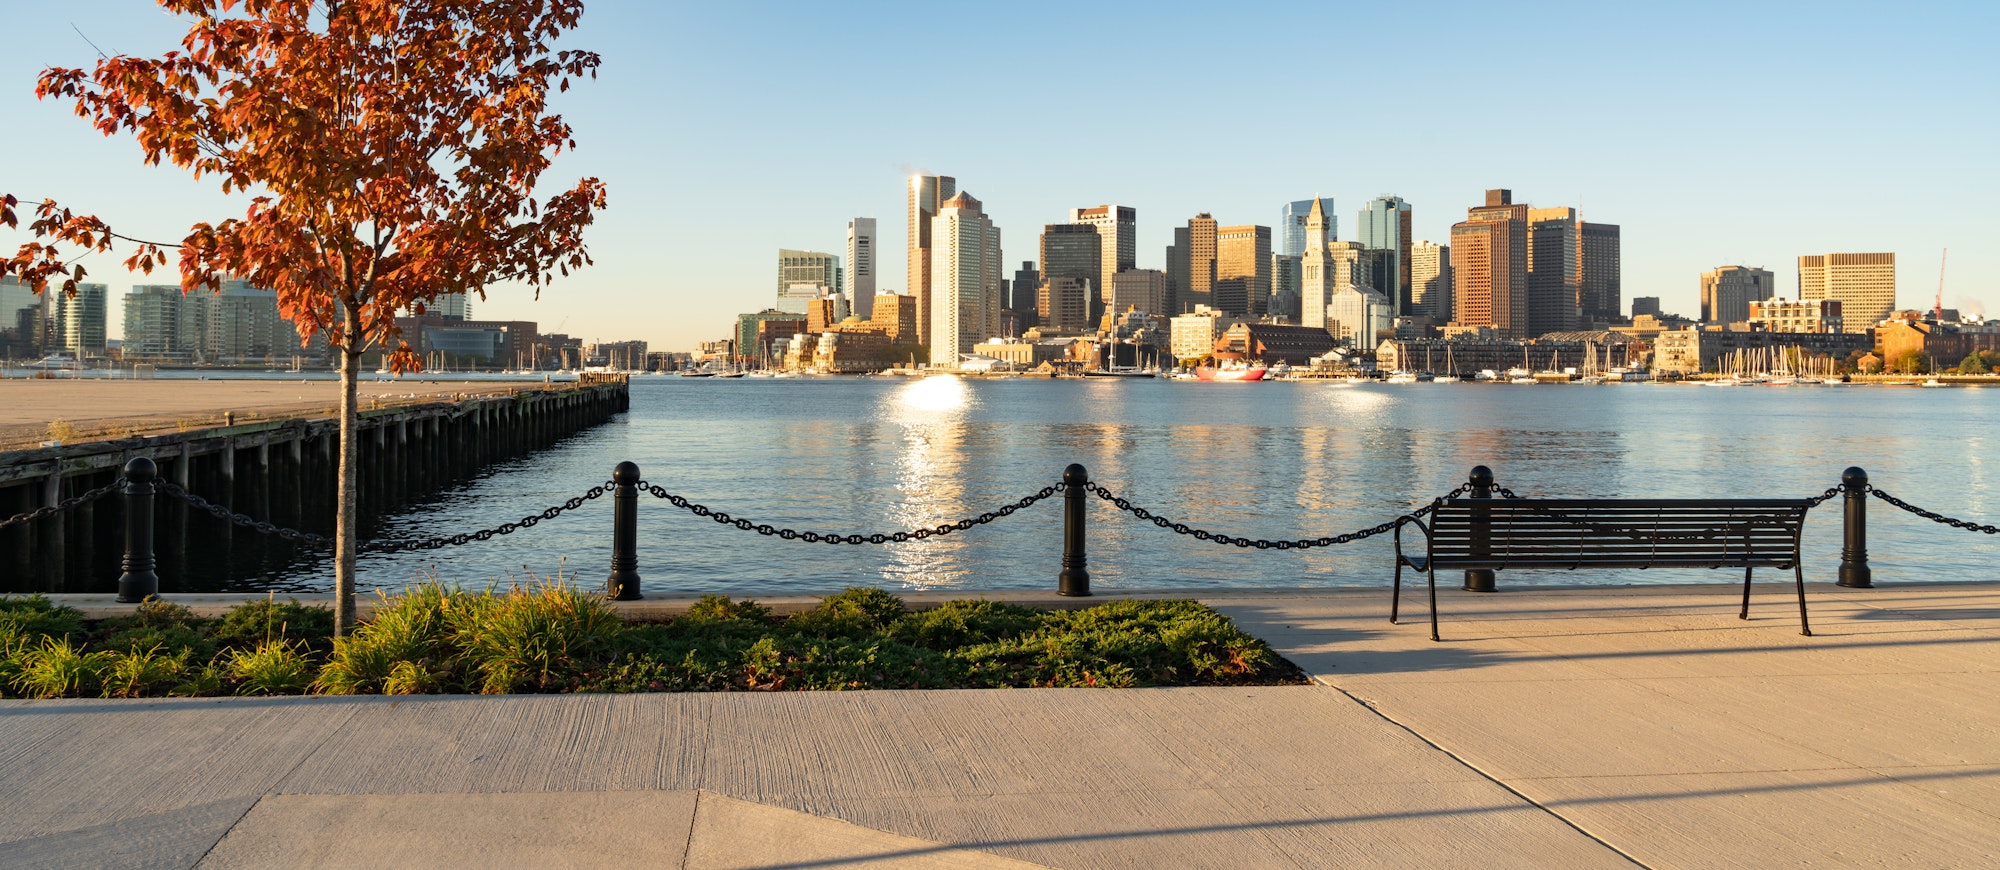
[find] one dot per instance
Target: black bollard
(1480, 580)
(139, 581)
(1854, 573)
(1075, 578)
(623, 584)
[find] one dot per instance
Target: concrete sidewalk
(1553, 728)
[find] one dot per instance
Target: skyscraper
(1117, 232)
(23, 327)
(1430, 280)
(1599, 269)
(1072, 264)
(965, 279)
(806, 275)
(1554, 270)
(1242, 284)
(1318, 280)
(79, 319)
(153, 323)
(1199, 256)
(1384, 225)
(1286, 285)
(1865, 284)
(927, 195)
(1177, 271)
(1027, 284)
(1489, 253)
(1143, 289)
(861, 266)
(1292, 225)
(1727, 291)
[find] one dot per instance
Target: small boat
(1234, 370)
(1402, 377)
(1118, 373)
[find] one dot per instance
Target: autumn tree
(389, 151)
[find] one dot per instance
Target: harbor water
(1272, 460)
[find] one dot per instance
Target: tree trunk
(346, 528)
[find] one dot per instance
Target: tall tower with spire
(1317, 281)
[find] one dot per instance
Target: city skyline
(696, 181)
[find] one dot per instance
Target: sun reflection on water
(930, 474)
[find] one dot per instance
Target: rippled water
(1277, 460)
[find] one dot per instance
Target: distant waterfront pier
(276, 465)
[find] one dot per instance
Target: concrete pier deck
(93, 407)
(1552, 728)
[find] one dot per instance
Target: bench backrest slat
(1618, 532)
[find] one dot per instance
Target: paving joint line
(1491, 778)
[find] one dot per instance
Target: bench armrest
(1422, 562)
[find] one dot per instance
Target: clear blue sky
(1713, 133)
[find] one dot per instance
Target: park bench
(1571, 534)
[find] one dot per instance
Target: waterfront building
(1694, 350)
(1728, 291)
(965, 279)
(1143, 289)
(1490, 266)
(1243, 270)
(1117, 233)
(23, 320)
(153, 328)
(1795, 315)
(755, 333)
(452, 306)
(1600, 273)
(1019, 354)
(1864, 283)
(897, 314)
(1358, 316)
(1931, 344)
(1271, 343)
(927, 196)
(1384, 227)
(1430, 280)
(1554, 270)
(496, 343)
(79, 319)
(1074, 252)
(1555, 351)
(853, 346)
(804, 276)
(1193, 335)
(1295, 236)
(861, 266)
(1287, 285)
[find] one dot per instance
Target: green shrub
(274, 667)
(964, 623)
(856, 612)
(56, 668)
(203, 681)
(252, 624)
(540, 640)
(718, 608)
(33, 617)
(413, 629)
(144, 673)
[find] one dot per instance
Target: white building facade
(965, 279)
(861, 266)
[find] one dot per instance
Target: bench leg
(1431, 577)
(1745, 613)
(1396, 596)
(1800, 571)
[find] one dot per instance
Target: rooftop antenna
(1937, 308)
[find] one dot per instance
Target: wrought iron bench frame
(1479, 533)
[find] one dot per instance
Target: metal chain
(1503, 491)
(526, 522)
(225, 514)
(1933, 517)
(1820, 499)
(65, 504)
(828, 538)
(1302, 544)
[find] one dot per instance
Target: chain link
(1258, 543)
(1820, 499)
(828, 538)
(1933, 517)
(65, 504)
(248, 522)
(527, 522)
